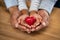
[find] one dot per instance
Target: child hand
(21, 20)
(38, 20)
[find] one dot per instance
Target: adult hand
(45, 18)
(14, 15)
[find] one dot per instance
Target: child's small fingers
(33, 29)
(22, 28)
(26, 25)
(28, 30)
(36, 23)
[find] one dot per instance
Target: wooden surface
(7, 32)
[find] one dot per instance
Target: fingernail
(29, 26)
(44, 23)
(32, 26)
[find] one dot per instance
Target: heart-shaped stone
(30, 20)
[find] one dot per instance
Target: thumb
(16, 25)
(43, 23)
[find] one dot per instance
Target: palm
(44, 21)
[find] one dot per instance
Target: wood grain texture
(7, 32)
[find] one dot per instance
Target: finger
(14, 23)
(22, 28)
(33, 29)
(43, 25)
(28, 31)
(36, 23)
(38, 20)
(23, 23)
(39, 27)
(45, 22)
(19, 19)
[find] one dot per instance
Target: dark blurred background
(57, 4)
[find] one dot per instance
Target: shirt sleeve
(34, 5)
(22, 5)
(47, 5)
(10, 3)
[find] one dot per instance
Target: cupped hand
(21, 20)
(38, 19)
(45, 18)
(14, 16)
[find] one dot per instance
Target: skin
(45, 18)
(15, 14)
(38, 19)
(21, 20)
(42, 14)
(19, 16)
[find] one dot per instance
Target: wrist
(45, 11)
(33, 12)
(24, 11)
(13, 9)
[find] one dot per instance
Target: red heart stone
(30, 20)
